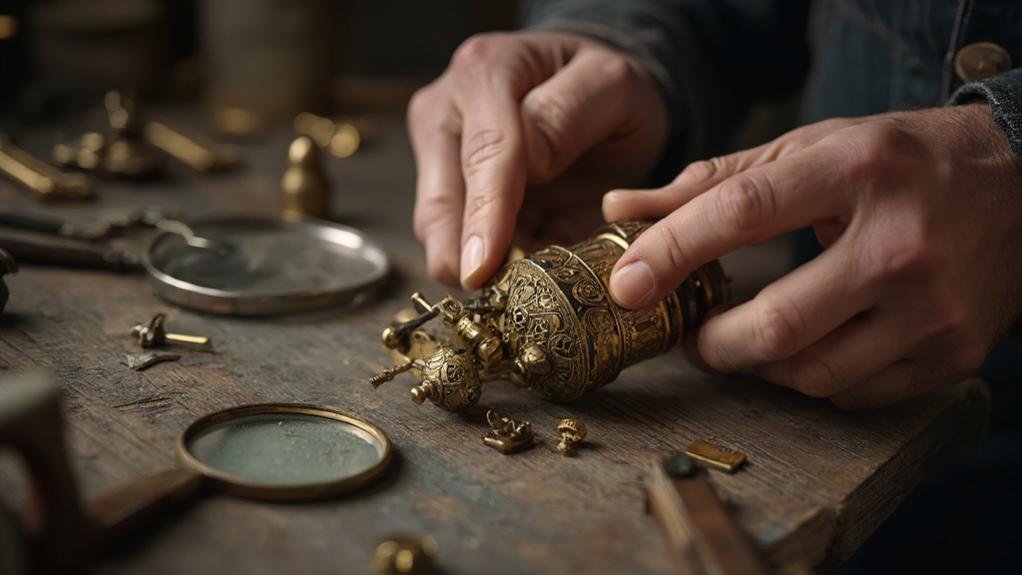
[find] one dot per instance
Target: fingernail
(471, 257)
(632, 285)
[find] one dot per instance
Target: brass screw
(153, 334)
(572, 431)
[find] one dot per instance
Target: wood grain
(817, 483)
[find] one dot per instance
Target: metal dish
(274, 266)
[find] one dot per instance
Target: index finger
(746, 208)
(494, 169)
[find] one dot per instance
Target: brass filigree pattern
(558, 330)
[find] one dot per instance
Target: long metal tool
(29, 247)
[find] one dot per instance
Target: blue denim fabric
(714, 58)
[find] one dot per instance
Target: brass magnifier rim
(241, 486)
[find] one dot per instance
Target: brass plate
(716, 456)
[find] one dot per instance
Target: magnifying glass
(275, 451)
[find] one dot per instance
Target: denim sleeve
(1004, 94)
(711, 58)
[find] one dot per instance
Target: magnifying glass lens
(286, 449)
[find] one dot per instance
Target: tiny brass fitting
(304, 190)
(573, 432)
(405, 555)
(508, 435)
(390, 338)
(153, 334)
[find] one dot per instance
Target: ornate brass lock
(546, 322)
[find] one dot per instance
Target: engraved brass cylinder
(564, 334)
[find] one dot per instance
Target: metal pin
(191, 150)
(421, 304)
(152, 334)
(44, 180)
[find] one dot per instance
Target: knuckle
(908, 252)
(744, 204)
(480, 147)
(776, 331)
(433, 214)
(672, 246)
(618, 72)
(703, 170)
(481, 204)
(882, 150)
(476, 52)
(551, 118)
(815, 378)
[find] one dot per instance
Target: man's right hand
(525, 109)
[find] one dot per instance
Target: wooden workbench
(818, 482)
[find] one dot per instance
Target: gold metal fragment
(722, 458)
(573, 432)
(153, 334)
(508, 435)
(547, 322)
(143, 361)
(191, 150)
(304, 190)
(122, 152)
(342, 138)
(45, 181)
(405, 555)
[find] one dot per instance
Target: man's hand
(518, 110)
(920, 214)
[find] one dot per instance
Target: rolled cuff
(1004, 94)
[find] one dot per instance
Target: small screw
(152, 334)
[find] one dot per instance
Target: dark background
(157, 46)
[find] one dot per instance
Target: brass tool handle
(700, 529)
(46, 181)
(125, 508)
(198, 155)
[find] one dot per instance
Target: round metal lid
(272, 266)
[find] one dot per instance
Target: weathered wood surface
(818, 482)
